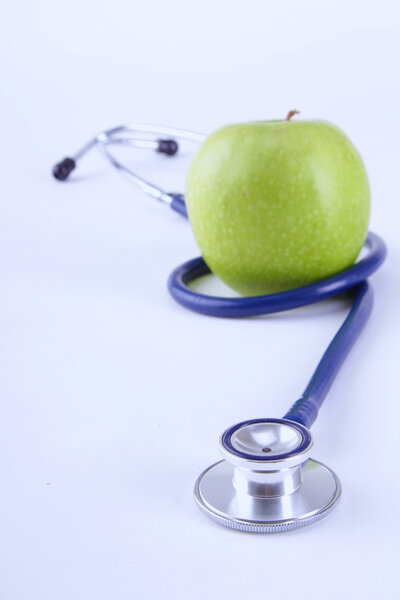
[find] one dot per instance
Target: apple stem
(291, 114)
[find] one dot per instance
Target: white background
(112, 396)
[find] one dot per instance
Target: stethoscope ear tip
(168, 147)
(267, 482)
(64, 168)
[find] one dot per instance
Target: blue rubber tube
(178, 205)
(304, 410)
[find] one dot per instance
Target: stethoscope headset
(266, 481)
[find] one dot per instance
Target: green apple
(276, 205)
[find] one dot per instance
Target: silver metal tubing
(127, 135)
(136, 143)
(147, 187)
(134, 128)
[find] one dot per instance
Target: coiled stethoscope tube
(267, 482)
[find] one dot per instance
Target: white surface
(113, 397)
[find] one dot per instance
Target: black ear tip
(62, 169)
(169, 147)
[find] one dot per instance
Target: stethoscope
(266, 480)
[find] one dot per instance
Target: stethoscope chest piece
(267, 481)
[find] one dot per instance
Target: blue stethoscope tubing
(305, 409)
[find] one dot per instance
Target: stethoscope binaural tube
(267, 481)
(152, 137)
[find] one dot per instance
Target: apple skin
(276, 205)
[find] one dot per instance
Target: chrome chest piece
(267, 481)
